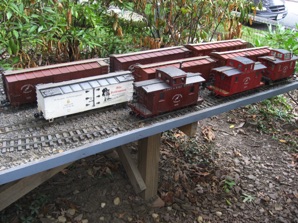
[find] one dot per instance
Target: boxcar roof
(242, 52)
(33, 73)
(149, 53)
(217, 44)
(121, 76)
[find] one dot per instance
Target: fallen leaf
(90, 172)
(176, 176)
(208, 133)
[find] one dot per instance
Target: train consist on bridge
(152, 81)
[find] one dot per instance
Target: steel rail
(24, 170)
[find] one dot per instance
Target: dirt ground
(235, 169)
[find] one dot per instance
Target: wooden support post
(148, 159)
(11, 192)
(131, 170)
(189, 129)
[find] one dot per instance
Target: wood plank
(11, 192)
(132, 171)
(148, 159)
(190, 129)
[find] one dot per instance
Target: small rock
(76, 192)
(278, 207)
(117, 201)
(61, 219)
(169, 208)
(78, 218)
(200, 219)
(101, 218)
(71, 211)
(85, 221)
(218, 213)
(102, 205)
(154, 215)
(158, 203)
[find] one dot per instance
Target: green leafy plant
(247, 198)
(228, 185)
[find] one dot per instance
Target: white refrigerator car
(69, 97)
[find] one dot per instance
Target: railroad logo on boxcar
(177, 98)
(246, 81)
(285, 69)
(27, 88)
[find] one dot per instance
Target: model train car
(202, 64)
(171, 90)
(240, 74)
(69, 97)
(280, 64)
(252, 53)
(206, 48)
(19, 85)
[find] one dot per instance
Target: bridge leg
(148, 159)
(190, 129)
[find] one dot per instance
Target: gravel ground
(228, 172)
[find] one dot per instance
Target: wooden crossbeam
(11, 192)
(132, 171)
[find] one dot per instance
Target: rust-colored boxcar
(171, 90)
(193, 64)
(280, 64)
(240, 74)
(19, 85)
(204, 49)
(251, 53)
(125, 61)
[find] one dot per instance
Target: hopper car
(19, 85)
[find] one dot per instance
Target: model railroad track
(60, 138)
(212, 100)
(119, 124)
(34, 125)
